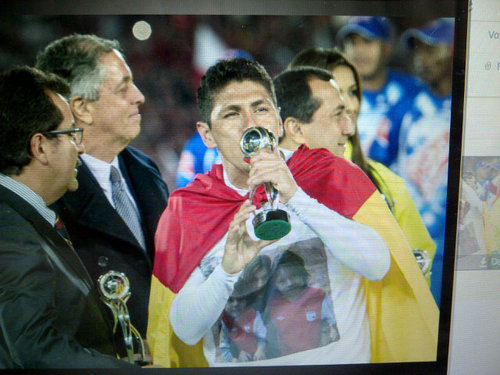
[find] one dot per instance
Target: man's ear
(293, 130)
(39, 147)
(387, 50)
(206, 134)
(82, 109)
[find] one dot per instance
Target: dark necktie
(124, 206)
(61, 230)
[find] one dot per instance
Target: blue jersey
(381, 114)
(195, 158)
(423, 163)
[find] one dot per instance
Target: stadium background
(168, 64)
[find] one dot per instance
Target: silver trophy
(424, 261)
(115, 292)
(270, 222)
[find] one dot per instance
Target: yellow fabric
(403, 315)
(166, 348)
(404, 210)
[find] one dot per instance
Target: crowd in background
(169, 63)
(396, 78)
(165, 65)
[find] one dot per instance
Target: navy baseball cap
(368, 27)
(235, 53)
(436, 32)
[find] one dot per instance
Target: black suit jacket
(50, 312)
(103, 240)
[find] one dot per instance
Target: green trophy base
(271, 224)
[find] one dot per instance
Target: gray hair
(75, 58)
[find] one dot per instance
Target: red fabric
(240, 331)
(198, 216)
(298, 322)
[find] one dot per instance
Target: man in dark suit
(105, 102)
(50, 312)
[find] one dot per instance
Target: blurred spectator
(484, 174)
(164, 65)
(196, 157)
(387, 93)
(425, 131)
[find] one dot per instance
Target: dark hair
(253, 278)
(294, 93)
(76, 59)
(225, 72)
(327, 59)
(330, 59)
(26, 109)
(290, 259)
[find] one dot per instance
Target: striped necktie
(124, 206)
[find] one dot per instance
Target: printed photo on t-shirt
(280, 305)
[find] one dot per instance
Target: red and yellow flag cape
(402, 312)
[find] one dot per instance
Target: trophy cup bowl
(114, 286)
(270, 223)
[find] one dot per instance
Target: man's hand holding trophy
(270, 222)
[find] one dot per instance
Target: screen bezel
(457, 9)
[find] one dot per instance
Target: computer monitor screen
(398, 71)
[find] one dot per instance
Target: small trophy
(115, 292)
(270, 223)
(424, 261)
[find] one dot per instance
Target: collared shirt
(29, 196)
(101, 171)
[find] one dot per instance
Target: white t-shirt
(337, 253)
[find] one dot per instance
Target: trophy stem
(270, 223)
(250, 196)
(125, 324)
(114, 287)
(272, 195)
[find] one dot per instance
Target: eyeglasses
(75, 133)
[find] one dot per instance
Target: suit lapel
(57, 248)
(91, 208)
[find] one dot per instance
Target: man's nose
(138, 97)
(349, 105)
(250, 121)
(348, 126)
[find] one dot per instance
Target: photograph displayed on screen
(345, 258)
(478, 241)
